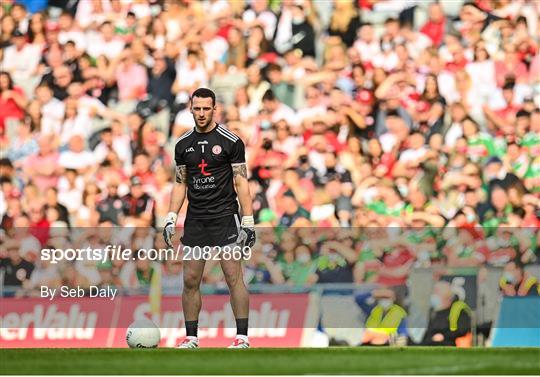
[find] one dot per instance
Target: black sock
(241, 326)
(191, 328)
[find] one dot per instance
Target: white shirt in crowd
(52, 114)
(98, 46)
(214, 50)
(184, 119)
(410, 155)
(309, 112)
(21, 64)
(70, 197)
(76, 160)
(85, 13)
(80, 125)
(367, 50)
(284, 112)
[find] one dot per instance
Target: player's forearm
(177, 197)
(241, 186)
(244, 197)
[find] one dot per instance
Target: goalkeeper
(211, 169)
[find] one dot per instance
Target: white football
(143, 333)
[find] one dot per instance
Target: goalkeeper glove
(247, 231)
(169, 229)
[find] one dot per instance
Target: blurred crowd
(383, 120)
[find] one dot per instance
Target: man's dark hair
(19, 5)
(508, 85)
(44, 85)
(5, 162)
(273, 67)
(393, 113)
(518, 211)
(140, 153)
(359, 66)
(269, 95)
(204, 93)
(523, 113)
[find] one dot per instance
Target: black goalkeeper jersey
(208, 158)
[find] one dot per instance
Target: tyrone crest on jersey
(216, 149)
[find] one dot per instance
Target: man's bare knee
(192, 282)
(232, 279)
(233, 275)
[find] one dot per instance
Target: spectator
(344, 22)
(8, 26)
(42, 167)
(107, 276)
(293, 211)
(21, 60)
(161, 78)
(52, 110)
(434, 28)
(131, 78)
(104, 42)
(516, 282)
(17, 270)
(12, 101)
(450, 319)
(386, 322)
(138, 206)
(22, 145)
(77, 156)
(335, 263)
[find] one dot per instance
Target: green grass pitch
(412, 360)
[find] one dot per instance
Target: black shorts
(219, 231)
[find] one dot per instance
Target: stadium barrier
(280, 316)
(277, 320)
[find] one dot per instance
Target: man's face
(75, 90)
(366, 33)
(330, 160)
(62, 76)
(508, 95)
(358, 76)
(159, 61)
(141, 164)
(19, 42)
(416, 141)
(511, 269)
(499, 199)
(43, 94)
(435, 13)
(203, 111)
(76, 144)
(269, 105)
(108, 32)
(65, 22)
(137, 191)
